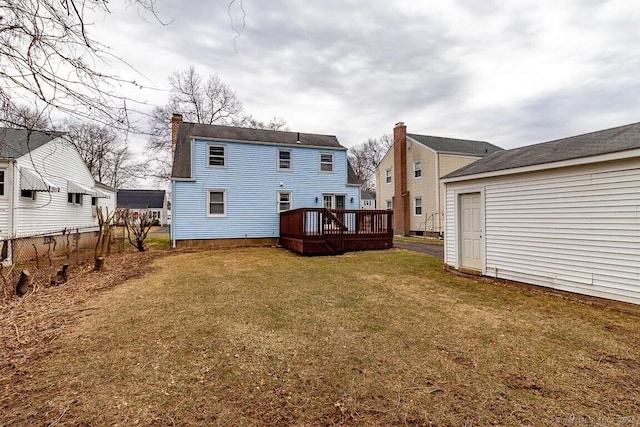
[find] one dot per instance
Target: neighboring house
(231, 183)
(153, 201)
(563, 214)
(408, 178)
(367, 200)
(45, 186)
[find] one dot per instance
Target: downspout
(438, 190)
(172, 227)
(13, 223)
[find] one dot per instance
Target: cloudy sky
(511, 73)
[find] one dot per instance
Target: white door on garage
(471, 231)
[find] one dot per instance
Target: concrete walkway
(433, 249)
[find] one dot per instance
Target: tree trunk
(62, 275)
(24, 283)
(99, 263)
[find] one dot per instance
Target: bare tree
(21, 116)
(48, 54)
(137, 225)
(104, 151)
(204, 100)
(103, 244)
(277, 123)
(364, 159)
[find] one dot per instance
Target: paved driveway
(436, 250)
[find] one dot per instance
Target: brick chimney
(176, 119)
(401, 197)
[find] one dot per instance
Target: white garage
(564, 214)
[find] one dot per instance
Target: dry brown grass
(265, 337)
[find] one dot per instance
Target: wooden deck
(318, 231)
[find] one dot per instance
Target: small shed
(564, 214)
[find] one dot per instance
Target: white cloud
(511, 73)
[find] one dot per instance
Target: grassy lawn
(261, 336)
(414, 239)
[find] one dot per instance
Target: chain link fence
(43, 255)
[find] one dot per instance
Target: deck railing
(336, 225)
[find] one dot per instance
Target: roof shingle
(141, 199)
(16, 143)
(455, 146)
(606, 141)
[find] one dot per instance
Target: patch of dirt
(30, 325)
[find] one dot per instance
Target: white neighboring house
(45, 186)
(367, 200)
(154, 202)
(564, 214)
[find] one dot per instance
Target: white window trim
(290, 168)
(416, 169)
(74, 199)
(290, 193)
(224, 202)
(388, 204)
(224, 156)
(415, 206)
(333, 162)
(388, 176)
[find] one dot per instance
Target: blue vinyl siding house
(232, 183)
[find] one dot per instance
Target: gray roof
(187, 131)
(140, 199)
(352, 178)
(456, 146)
(367, 195)
(16, 143)
(607, 141)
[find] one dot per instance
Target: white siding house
(563, 214)
(45, 185)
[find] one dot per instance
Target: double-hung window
(326, 162)
(417, 206)
(284, 160)
(217, 203)
(1, 183)
(389, 205)
(284, 201)
(217, 155)
(387, 176)
(417, 169)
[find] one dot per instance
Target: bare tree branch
(104, 151)
(364, 159)
(46, 53)
(199, 100)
